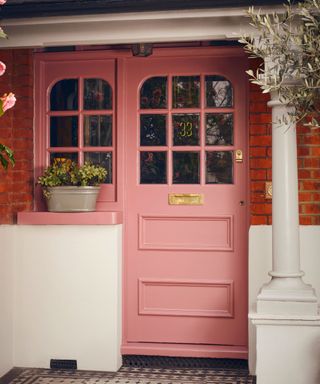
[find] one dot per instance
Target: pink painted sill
(79, 218)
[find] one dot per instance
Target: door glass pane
(64, 155)
(153, 130)
(219, 167)
(186, 168)
(101, 158)
(219, 129)
(186, 129)
(64, 95)
(186, 92)
(64, 131)
(153, 93)
(218, 92)
(97, 94)
(98, 131)
(153, 167)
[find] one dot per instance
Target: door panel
(186, 231)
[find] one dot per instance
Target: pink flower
(8, 101)
(2, 2)
(2, 67)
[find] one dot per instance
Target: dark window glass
(64, 95)
(63, 131)
(186, 92)
(153, 167)
(98, 131)
(186, 129)
(97, 94)
(153, 93)
(101, 158)
(218, 92)
(219, 129)
(153, 129)
(64, 155)
(219, 167)
(186, 168)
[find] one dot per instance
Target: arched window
(81, 122)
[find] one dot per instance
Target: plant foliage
(64, 172)
(289, 44)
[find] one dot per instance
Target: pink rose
(2, 2)
(2, 67)
(8, 101)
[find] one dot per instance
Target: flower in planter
(64, 172)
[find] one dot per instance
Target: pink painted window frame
(49, 69)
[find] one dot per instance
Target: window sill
(67, 218)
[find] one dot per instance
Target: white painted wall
(60, 291)
(260, 263)
(6, 300)
(67, 295)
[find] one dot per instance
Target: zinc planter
(72, 199)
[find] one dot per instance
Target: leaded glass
(153, 167)
(218, 92)
(64, 95)
(97, 131)
(219, 129)
(186, 91)
(153, 130)
(219, 167)
(186, 168)
(64, 155)
(101, 158)
(153, 93)
(97, 94)
(63, 131)
(186, 129)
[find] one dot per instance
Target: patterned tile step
(135, 375)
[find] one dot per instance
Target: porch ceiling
(43, 8)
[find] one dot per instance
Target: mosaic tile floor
(132, 375)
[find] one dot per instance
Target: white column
(286, 293)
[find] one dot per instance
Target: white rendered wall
(67, 294)
(260, 263)
(6, 300)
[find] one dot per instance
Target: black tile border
(11, 375)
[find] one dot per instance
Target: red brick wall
(308, 147)
(16, 131)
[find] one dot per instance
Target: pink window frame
(49, 69)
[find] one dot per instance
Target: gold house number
(185, 129)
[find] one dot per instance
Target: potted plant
(68, 187)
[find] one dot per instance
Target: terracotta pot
(72, 199)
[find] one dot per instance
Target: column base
(287, 349)
(287, 295)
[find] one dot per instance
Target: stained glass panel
(219, 129)
(97, 94)
(102, 158)
(186, 91)
(153, 93)
(64, 131)
(186, 168)
(97, 131)
(219, 167)
(153, 130)
(153, 167)
(64, 95)
(64, 155)
(186, 129)
(218, 92)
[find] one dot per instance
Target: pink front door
(186, 216)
